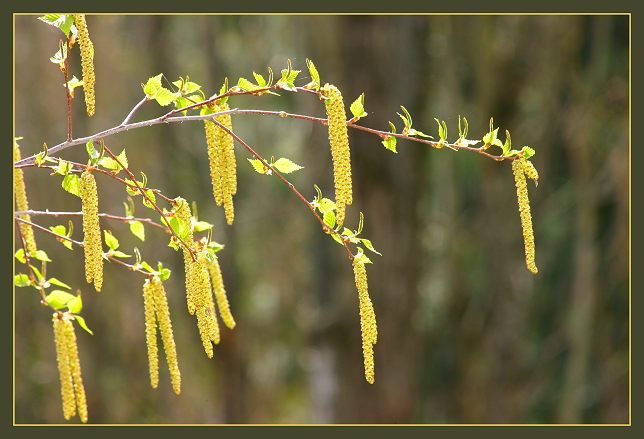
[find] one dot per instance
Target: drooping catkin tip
(64, 368)
(340, 153)
(368, 326)
(167, 335)
(220, 294)
(519, 167)
(92, 241)
(87, 63)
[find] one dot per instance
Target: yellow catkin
(339, 142)
(64, 368)
(206, 317)
(214, 157)
(92, 231)
(74, 362)
(151, 333)
(227, 161)
(87, 62)
(220, 294)
(519, 171)
(368, 325)
(21, 202)
(165, 327)
(182, 211)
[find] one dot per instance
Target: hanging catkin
(521, 168)
(71, 380)
(368, 325)
(339, 142)
(220, 293)
(223, 164)
(182, 211)
(87, 62)
(92, 242)
(21, 202)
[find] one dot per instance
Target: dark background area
(466, 333)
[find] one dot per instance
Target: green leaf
(60, 230)
(63, 167)
(315, 76)
(154, 83)
(75, 305)
(357, 107)
(37, 273)
(82, 324)
(178, 226)
(258, 166)
(131, 189)
(60, 56)
(109, 163)
(165, 97)
(147, 267)
(215, 246)
(21, 280)
(361, 257)
(164, 274)
(367, 243)
(329, 218)
(326, 205)
(71, 183)
(151, 196)
(507, 146)
(20, 256)
(119, 254)
(62, 22)
(92, 152)
(286, 166)
(200, 226)
(111, 240)
(413, 132)
(58, 283)
(260, 79)
(390, 143)
(137, 229)
(336, 238)
(41, 256)
(74, 83)
(246, 85)
(527, 152)
(58, 299)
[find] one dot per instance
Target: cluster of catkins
(202, 274)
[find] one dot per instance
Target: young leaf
(315, 76)
(82, 324)
(21, 280)
(75, 305)
(119, 254)
(329, 218)
(137, 229)
(367, 243)
(260, 79)
(41, 256)
(71, 183)
(62, 22)
(60, 56)
(20, 256)
(111, 240)
(58, 283)
(151, 196)
(357, 107)
(58, 299)
(258, 166)
(286, 166)
(326, 205)
(390, 143)
(527, 152)
(200, 226)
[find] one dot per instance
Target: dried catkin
(151, 333)
(71, 380)
(368, 326)
(182, 212)
(92, 231)
(21, 202)
(87, 62)
(64, 369)
(520, 170)
(220, 293)
(165, 327)
(339, 142)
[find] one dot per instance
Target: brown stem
(68, 92)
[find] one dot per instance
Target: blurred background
(467, 334)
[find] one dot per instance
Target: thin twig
(132, 267)
(125, 219)
(290, 185)
(152, 203)
(32, 272)
(134, 110)
(68, 92)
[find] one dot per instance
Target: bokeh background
(467, 334)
